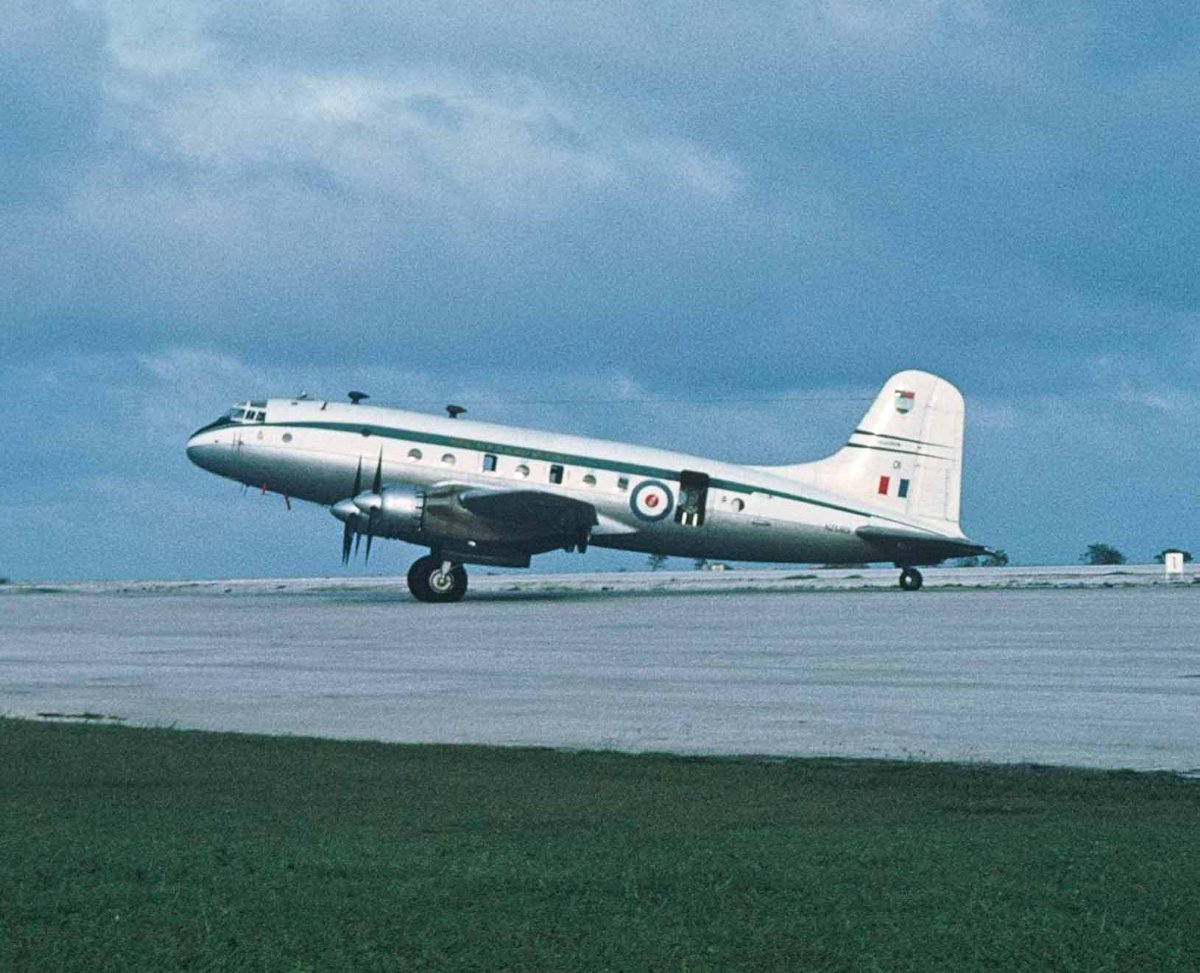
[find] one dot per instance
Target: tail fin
(905, 454)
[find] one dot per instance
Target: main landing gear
(432, 579)
(910, 579)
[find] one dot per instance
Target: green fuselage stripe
(899, 439)
(568, 459)
(883, 449)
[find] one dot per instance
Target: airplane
(480, 493)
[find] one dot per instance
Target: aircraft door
(693, 498)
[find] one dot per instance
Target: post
(1173, 565)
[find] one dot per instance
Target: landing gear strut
(910, 579)
(432, 579)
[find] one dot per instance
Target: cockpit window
(240, 413)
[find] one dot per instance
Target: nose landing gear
(434, 580)
(910, 579)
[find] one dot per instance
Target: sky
(708, 227)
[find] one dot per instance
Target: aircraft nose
(197, 453)
(203, 450)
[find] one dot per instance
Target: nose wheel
(911, 580)
(434, 580)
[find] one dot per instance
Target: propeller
(349, 533)
(359, 512)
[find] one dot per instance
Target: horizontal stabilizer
(914, 547)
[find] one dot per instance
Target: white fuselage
(313, 450)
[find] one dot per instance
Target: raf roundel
(651, 500)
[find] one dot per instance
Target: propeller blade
(357, 541)
(377, 486)
(350, 531)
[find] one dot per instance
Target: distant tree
(656, 561)
(965, 562)
(997, 559)
(1102, 554)
(700, 564)
(1161, 556)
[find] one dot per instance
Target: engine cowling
(396, 511)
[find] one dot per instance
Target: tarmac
(1082, 667)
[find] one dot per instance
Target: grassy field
(125, 849)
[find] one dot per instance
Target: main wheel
(911, 580)
(429, 582)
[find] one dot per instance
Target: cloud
(408, 134)
(155, 40)
(1179, 403)
(503, 144)
(50, 63)
(226, 186)
(791, 174)
(615, 220)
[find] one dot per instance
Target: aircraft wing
(915, 547)
(524, 509)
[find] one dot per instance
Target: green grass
(125, 849)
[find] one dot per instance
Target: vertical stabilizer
(904, 456)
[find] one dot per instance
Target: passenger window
(414, 454)
(556, 474)
(448, 459)
(489, 463)
(522, 470)
(622, 483)
(589, 480)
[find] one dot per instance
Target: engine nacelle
(407, 513)
(399, 511)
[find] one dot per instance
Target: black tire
(416, 579)
(427, 582)
(911, 580)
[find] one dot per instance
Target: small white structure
(1173, 564)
